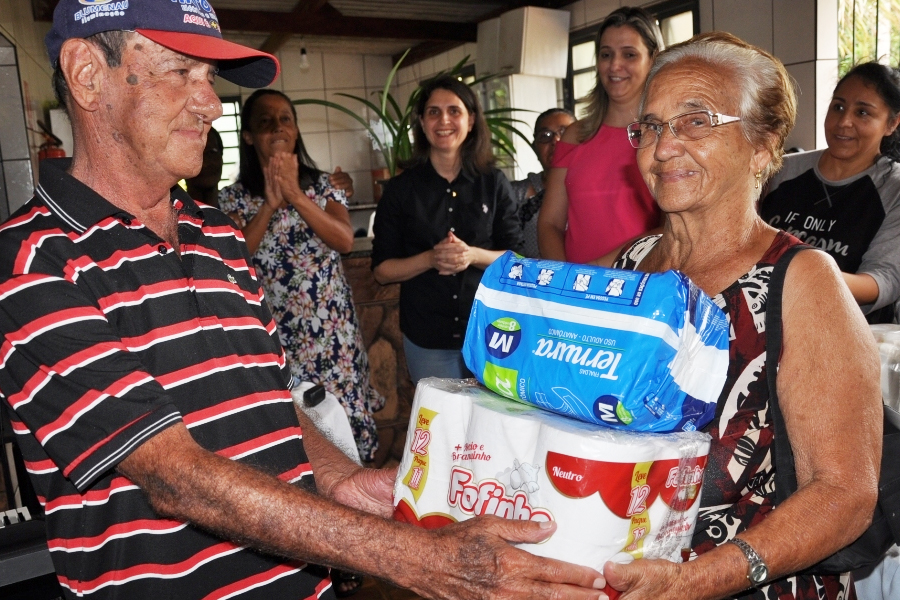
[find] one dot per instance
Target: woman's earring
(758, 178)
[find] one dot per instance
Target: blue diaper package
(629, 350)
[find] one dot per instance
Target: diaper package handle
(629, 350)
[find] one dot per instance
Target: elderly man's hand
(474, 560)
(368, 490)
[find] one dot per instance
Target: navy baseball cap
(189, 27)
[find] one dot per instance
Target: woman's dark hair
(648, 28)
(886, 83)
(475, 152)
(250, 174)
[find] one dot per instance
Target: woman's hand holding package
(700, 579)
(656, 579)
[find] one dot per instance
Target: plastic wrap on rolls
(629, 350)
(614, 495)
(887, 335)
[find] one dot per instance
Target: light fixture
(304, 59)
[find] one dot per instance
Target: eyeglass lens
(690, 126)
(545, 136)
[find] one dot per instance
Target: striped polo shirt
(109, 337)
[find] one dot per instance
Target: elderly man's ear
(83, 66)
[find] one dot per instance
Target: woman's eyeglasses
(545, 136)
(694, 125)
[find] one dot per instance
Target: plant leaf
(386, 92)
(378, 141)
(372, 106)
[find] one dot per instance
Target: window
(678, 20)
(859, 41)
(583, 68)
(229, 127)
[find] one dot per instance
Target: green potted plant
(391, 131)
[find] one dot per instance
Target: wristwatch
(757, 571)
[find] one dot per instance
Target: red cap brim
(238, 64)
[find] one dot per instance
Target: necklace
(828, 196)
(841, 189)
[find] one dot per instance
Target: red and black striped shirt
(108, 337)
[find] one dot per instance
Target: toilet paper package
(614, 495)
(629, 350)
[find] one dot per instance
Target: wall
(16, 181)
(801, 33)
(25, 85)
(18, 25)
(332, 138)
(409, 77)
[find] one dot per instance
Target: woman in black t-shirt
(845, 199)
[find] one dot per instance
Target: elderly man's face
(159, 106)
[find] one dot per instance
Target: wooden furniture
(377, 307)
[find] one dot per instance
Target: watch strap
(757, 570)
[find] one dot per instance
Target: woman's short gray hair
(767, 104)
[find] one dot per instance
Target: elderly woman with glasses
(713, 120)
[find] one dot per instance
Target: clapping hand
(274, 196)
(285, 167)
(452, 255)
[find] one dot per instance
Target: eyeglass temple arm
(722, 119)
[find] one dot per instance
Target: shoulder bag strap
(782, 454)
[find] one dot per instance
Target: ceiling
(386, 27)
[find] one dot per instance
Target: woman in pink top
(596, 199)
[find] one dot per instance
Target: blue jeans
(425, 362)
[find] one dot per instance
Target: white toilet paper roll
(614, 495)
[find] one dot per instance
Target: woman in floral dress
(296, 225)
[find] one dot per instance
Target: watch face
(758, 573)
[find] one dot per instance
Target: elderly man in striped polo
(149, 392)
